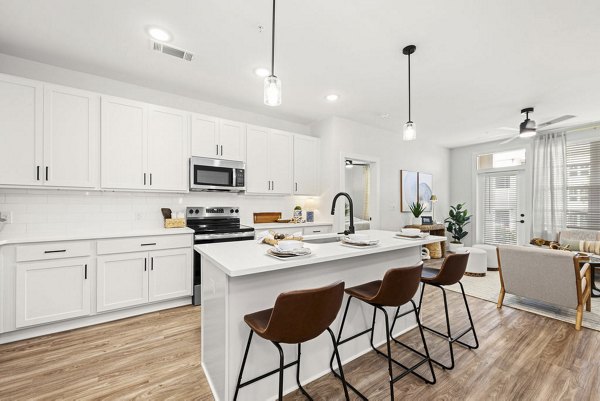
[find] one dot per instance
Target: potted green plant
(417, 208)
(457, 219)
(297, 214)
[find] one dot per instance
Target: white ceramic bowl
(288, 245)
(411, 231)
(358, 237)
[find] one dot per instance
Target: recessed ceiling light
(332, 97)
(159, 34)
(262, 72)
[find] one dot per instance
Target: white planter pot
(452, 247)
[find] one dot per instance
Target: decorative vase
(454, 246)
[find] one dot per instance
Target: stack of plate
(411, 233)
(359, 241)
(288, 249)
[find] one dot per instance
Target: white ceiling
(478, 62)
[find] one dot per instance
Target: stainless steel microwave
(217, 175)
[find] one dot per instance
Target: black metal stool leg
(339, 361)
(237, 387)
(339, 337)
(389, 352)
(298, 374)
(280, 370)
(470, 321)
(421, 298)
(424, 343)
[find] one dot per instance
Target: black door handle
(46, 173)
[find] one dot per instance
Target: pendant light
(272, 83)
(410, 129)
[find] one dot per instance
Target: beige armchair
(552, 276)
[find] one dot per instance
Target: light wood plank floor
(522, 356)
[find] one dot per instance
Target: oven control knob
(237, 210)
(196, 211)
(231, 211)
(191, 211)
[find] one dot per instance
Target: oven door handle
(200, 237)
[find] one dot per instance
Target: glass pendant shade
(410, 131)
(272, 91)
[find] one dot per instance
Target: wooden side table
(433, 229)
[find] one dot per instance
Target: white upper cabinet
(168, 150)
(281, 155)
(71, 137)
(306, 165)
(49, 134)
(205, 136)
(268, 161)
(21, 131)
(217, 138)
(124, 125)
(143, 146)
(232, 140)
(257, 162)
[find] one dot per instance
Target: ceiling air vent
(172, 51)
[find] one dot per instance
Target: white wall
(341, 136)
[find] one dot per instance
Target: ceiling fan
(528, 128)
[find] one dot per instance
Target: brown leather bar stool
(397, 288)
(452, 271)
(297, 317)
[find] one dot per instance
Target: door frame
(523, 229)
(374, 199)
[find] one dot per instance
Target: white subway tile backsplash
(63, 211)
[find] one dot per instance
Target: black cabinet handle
(150, 178)
(56, 251)
(145, 264)
(148, 244)
(221, 150)
(217, 149)
(38, 173)
(316, 231)
(273, 185)
(46, 173)
(296, 187)
(144, 178)
(152, 263)
(85, 273)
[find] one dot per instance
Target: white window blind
(583, 185)
(500, 209)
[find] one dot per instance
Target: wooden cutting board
(266, 217)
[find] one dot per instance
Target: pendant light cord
(409, 118)
(273, 43)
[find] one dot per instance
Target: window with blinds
(583, 185)
(500, 209)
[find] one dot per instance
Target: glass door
(501, 211)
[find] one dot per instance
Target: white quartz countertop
(248, 257)
(88, 235)
(266, 226)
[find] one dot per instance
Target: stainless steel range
(214, 224)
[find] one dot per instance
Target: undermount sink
(322, 240)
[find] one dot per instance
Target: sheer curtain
(549, 185)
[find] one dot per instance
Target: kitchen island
(239, 278)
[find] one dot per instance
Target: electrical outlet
(6, 216)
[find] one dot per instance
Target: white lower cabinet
(170, 274)
(135, 278)
(122, 281)
(52, 290)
